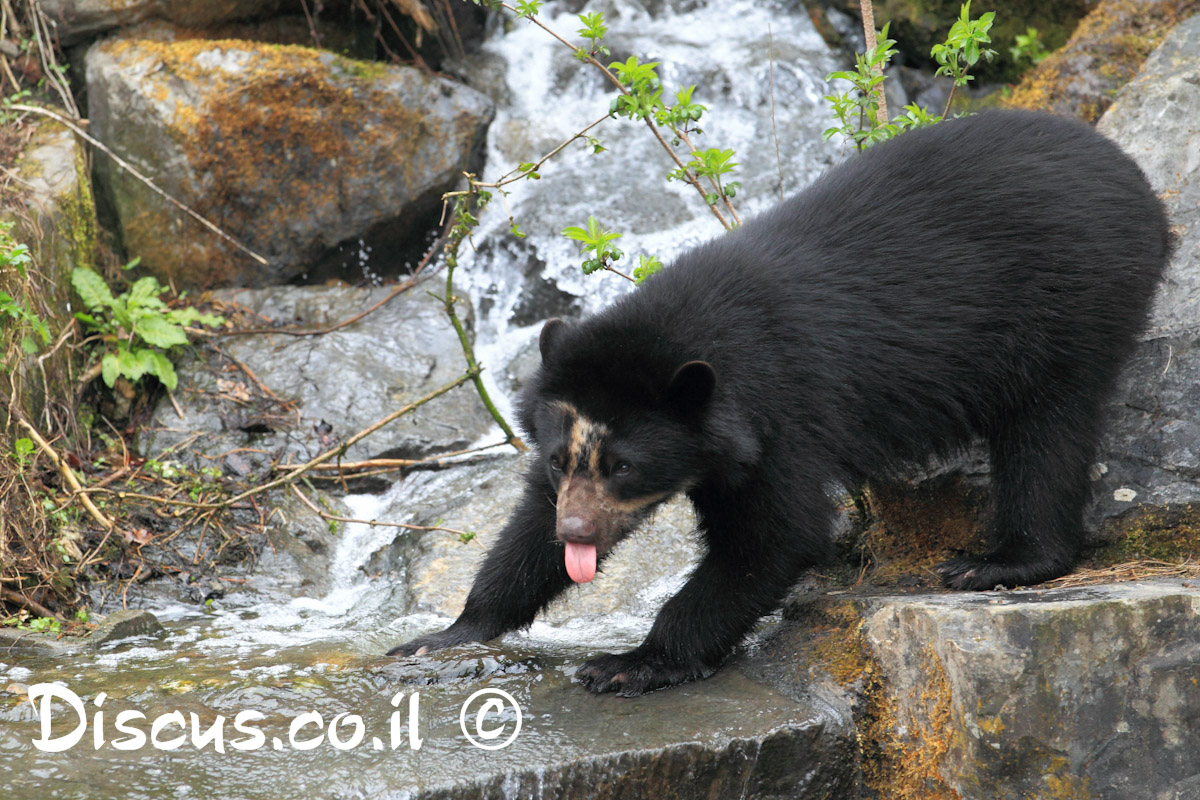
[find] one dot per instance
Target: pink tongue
(581, 561)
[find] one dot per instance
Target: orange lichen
(277, 134)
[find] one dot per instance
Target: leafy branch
(640, 99)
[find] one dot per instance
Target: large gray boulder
(1152, 456)
(1063, 693)
(290, 150)
(337, 384)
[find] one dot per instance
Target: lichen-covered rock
(1066, 693)
(1103, 54)
(76, 20)
(290, 150)
(1152, 455)
(54, 214)
(337, 384)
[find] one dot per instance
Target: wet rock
(293, 151)
(643, 571)
(1151, 461)
(20, 642)
(1103, 54)
(297, 558)
(1054, 693)
(124, 625)
(337, 384)
(76, 20)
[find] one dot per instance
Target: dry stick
(41, 31)
(774, 130)
(32, 605)
(868, 19)
(125, 165)
(68, 473)
(402, 463)
(377, 523)
(341, 448)
(400, 288)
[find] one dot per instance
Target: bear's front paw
(636, 672)
(436, 641)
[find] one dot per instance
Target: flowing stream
(284, 656)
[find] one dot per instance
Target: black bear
(981, 279)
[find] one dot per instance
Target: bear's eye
(622, 468)
(555, 463)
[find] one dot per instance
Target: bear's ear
(551, 337)
(692, 386)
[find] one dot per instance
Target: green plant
(44, 625)
(137, 327)
(647, 266)
(963, 48)
(598, 242)
(857, 110)
(593, 30)
(22, 450)
(1029, 47)
(15, 257)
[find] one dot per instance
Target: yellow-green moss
(1170, 533)
(1111, 42)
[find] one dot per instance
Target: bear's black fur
(984, 278)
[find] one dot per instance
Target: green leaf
(109, 369)
(166, 371)
(91, 288)
(145, 289)
(160, 332)
(129, 365)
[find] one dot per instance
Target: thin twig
(591, 59)
(132, 171)
(396, 291)
(67, 473)
(771, 82)
(374, 523)
(341, 448)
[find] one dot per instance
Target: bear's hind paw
(635, 673)
(983, 573)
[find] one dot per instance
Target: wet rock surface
(642, 572)
(336, 384)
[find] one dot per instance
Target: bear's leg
(1040, 484)
(758, 545)
(523, 572)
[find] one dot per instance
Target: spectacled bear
(981, 279)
